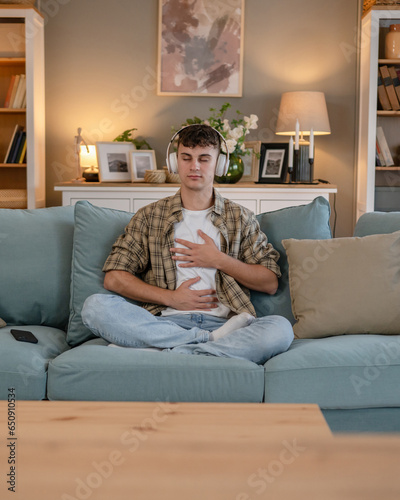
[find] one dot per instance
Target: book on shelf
(382, 95)
(384, 148)
(14, 145)
(388, 83)
(16, 93)
(22, 158)
(20, 93)
(395, 79)
(9, 91)
(380, 161)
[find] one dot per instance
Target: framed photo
(200, 48)
(273, 162)
(251, 162)
(114, 161)
(142, 160)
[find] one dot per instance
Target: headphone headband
(222, 160)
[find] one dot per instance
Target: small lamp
(303, 113)
(88, 160)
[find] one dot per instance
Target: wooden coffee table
(190, 451)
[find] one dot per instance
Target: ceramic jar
(392, 42)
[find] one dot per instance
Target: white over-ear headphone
(222, 160)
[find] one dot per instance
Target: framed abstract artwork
(200, 48)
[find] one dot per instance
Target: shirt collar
(176, 203)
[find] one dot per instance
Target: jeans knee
(91, 308)
(283, 329)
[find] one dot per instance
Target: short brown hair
(199, 135)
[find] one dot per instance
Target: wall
(101, 60)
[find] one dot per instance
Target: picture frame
(251, 161)
(200, 48)
(142, 160)
(114, 161)
(273, 162)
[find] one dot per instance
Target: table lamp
(88, 160)
(302, 113)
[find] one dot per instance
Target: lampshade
(88, 158)
(307, 107)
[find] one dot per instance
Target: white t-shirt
(187, 229)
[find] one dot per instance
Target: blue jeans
(120, 322)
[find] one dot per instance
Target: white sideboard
(132, 196)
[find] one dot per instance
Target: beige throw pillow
(345, 285)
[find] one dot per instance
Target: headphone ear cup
(173, 163)
(222, 165)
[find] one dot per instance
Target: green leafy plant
(126, 136)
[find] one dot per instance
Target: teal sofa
(51, 260)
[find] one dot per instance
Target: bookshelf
(22, 173)
(378, 187)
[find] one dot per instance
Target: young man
(190, 261)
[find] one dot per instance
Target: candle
(290, 161)
(311, 147)
(296, 142)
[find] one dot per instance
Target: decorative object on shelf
(392, 42)
(154, 176)
(234, 133)
(114, 161)
(251, 162)
(273, 163)
(126, 136)
(78, 141)
(370, 3)
(13, 198)
(170, 177)
(88, 159)
(234, 173)
(144, 161)
(299, 113)
(200, 48)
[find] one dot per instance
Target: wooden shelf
(12, 165)
(12, 110)
(388, 113)
(12, 61)
(388, 61)
(387, 168)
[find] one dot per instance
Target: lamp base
(91, 176)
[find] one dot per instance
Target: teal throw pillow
(96, 229)
(377, 223)
(309, 221)
(35, 266)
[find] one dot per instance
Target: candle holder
(311, 162)
(295, 165)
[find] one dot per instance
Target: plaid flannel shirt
(143, 250)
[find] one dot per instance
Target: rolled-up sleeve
(130, 252)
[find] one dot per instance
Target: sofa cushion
(35, 266)
(377, 223)
(345, 285)
(350, 371)
(95, 372)
(305, 221)
(96, 229)
(23, 366)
